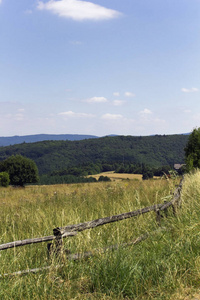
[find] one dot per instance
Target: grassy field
(165, 266)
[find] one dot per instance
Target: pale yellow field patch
(118, 176)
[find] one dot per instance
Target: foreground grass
(165, 266)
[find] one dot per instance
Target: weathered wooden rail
(71, 230)
(34, 241)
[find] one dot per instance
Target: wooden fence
(71, 230)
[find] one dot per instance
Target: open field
(165, 266)
(117, 176)
(120, 176)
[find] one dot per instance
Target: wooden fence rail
(34, 241)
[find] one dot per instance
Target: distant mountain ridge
(12, 140)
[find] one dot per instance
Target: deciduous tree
(21, 170)
(192, 150)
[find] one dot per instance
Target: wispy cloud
(146, 111)
(111, 117)
(0, 1)
(187, 111)
(72, 114)
(118, 102)
(78, 10)
(116, 94)
(192, 90)
(19, 117)
(96, 100)
(129, 94)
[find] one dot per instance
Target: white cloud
(21, 110)
(76, 115)
(116, 94)
(129, 94)
(118, 102)
(146, 111)
(97, 100)
(78, 10)
(192, 90)
(112, 117)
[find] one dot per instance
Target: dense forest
(77, 158)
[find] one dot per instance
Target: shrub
(104, 178)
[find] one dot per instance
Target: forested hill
(153, 151)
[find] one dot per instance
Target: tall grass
(165, 266)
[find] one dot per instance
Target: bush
(104, 178)
(4, 179)
(147, 175)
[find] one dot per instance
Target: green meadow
(164, 266)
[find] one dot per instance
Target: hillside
(51, 156)
(12, 140)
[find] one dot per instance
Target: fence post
(58, 245)
(166, 210)
(158, 217)
(55, 248)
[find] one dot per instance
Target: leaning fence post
(158, 217)
(174, 210)
(165, 210)
(177, 198)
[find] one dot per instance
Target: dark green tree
(192, 150)
(4, 179)
(21, 170)
(147, 175)
(104, 178)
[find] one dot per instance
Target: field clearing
(162, 267)
(118, 176)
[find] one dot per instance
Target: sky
(99, 67)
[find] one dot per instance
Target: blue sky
(99, 67)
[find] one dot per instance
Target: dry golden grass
(118, 176)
